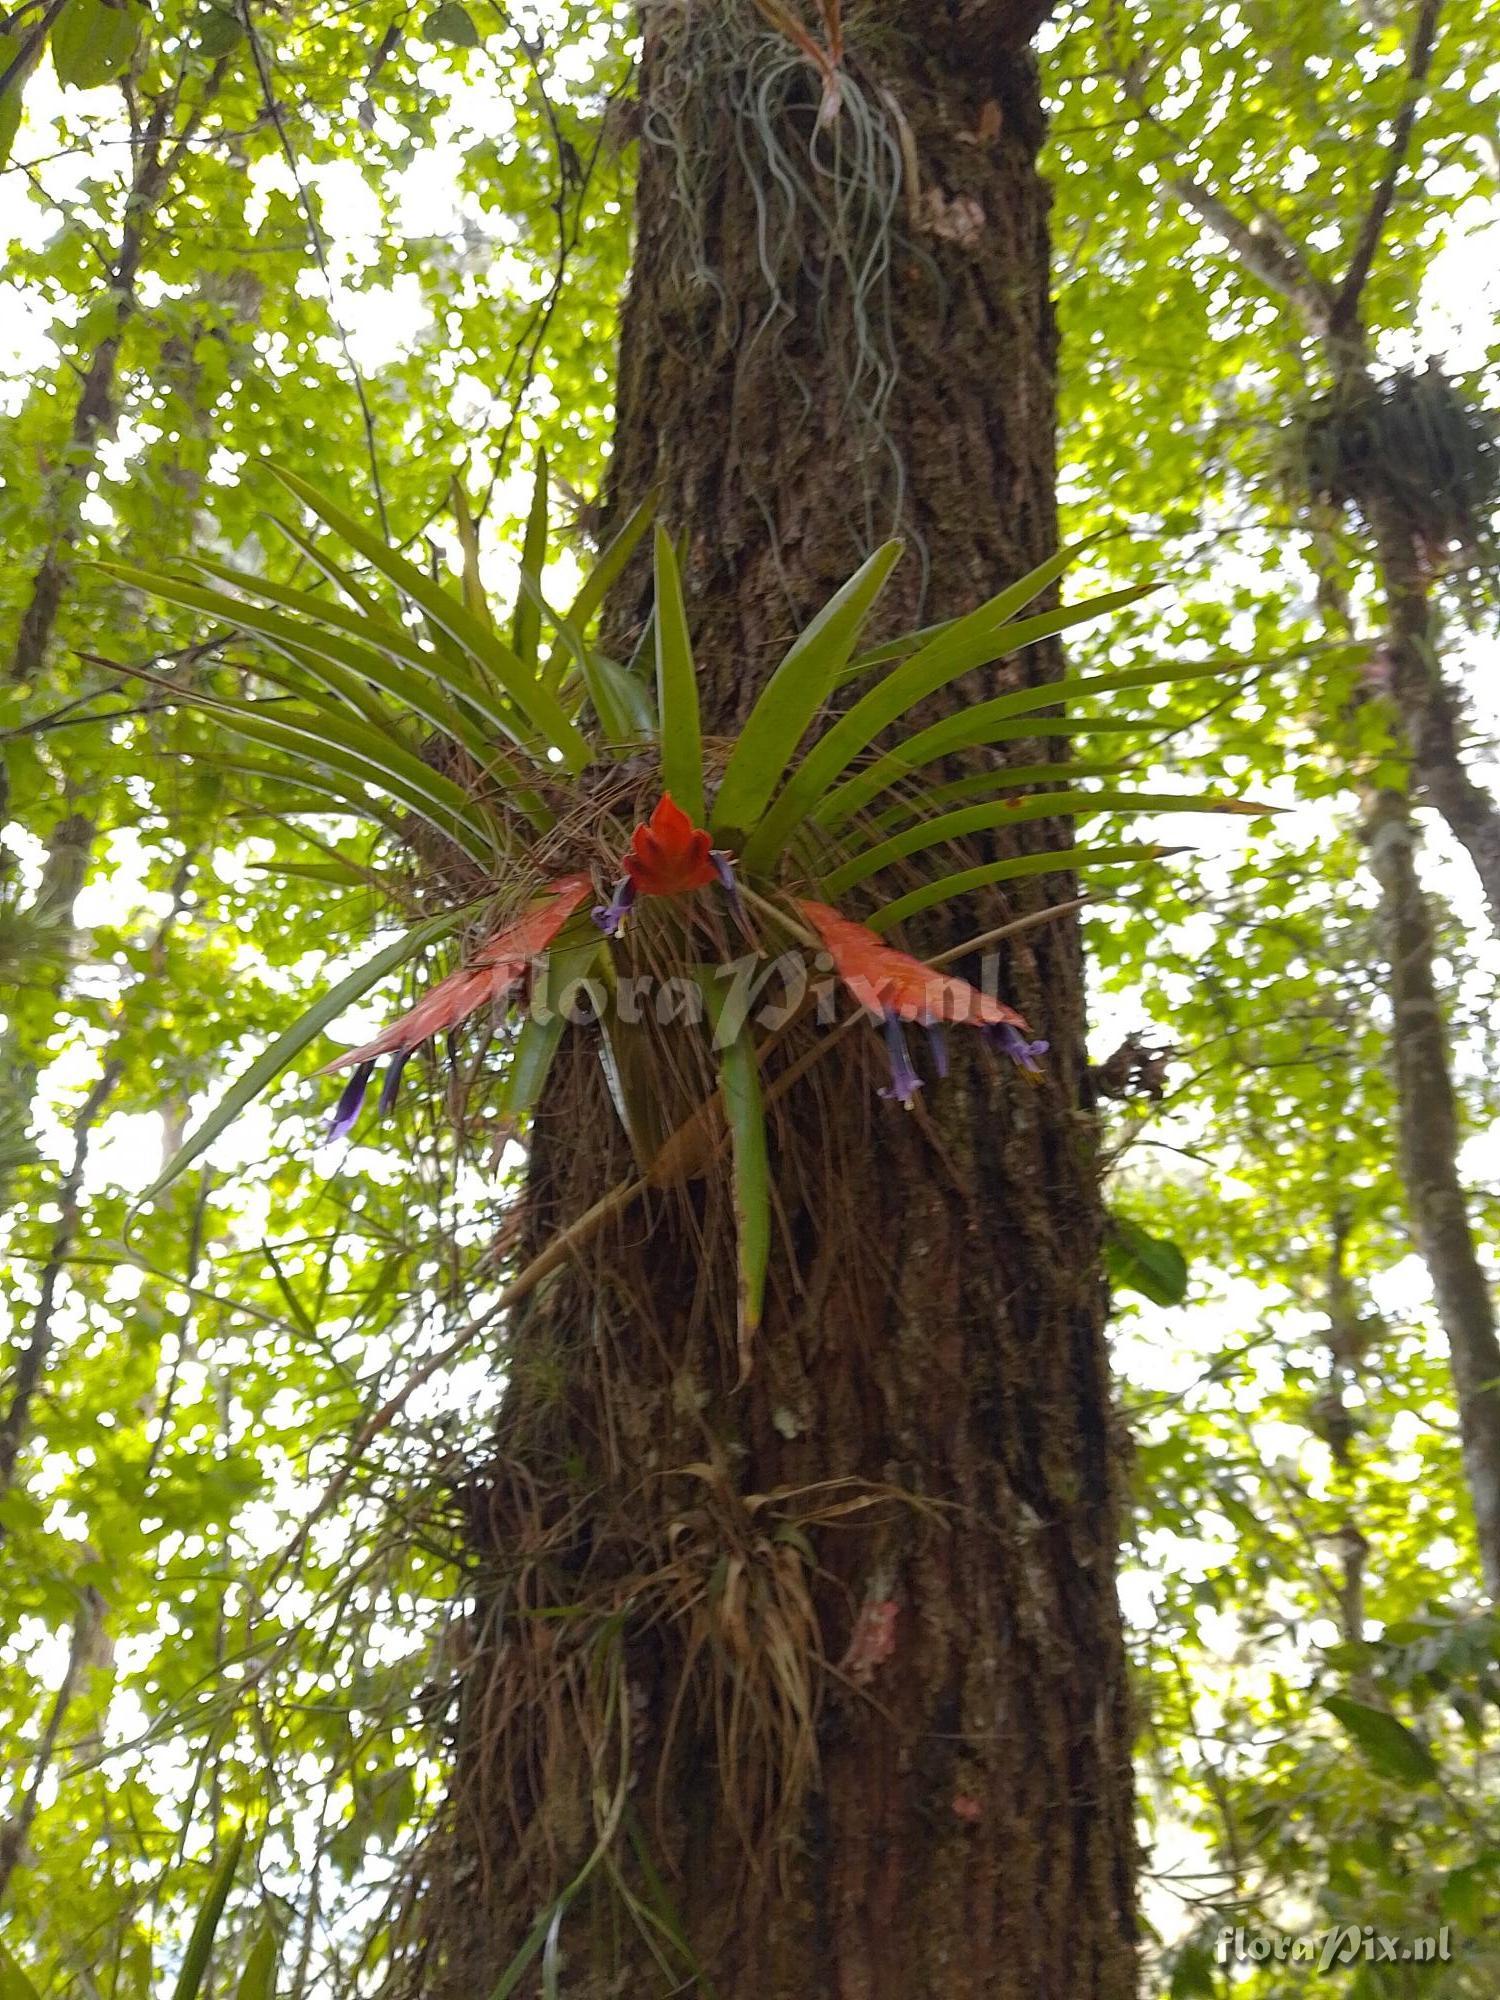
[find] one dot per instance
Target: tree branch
(14, 74)
(1261, 244)
(1419, 62)
(81, 1651)
(1264, 249)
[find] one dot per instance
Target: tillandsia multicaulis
(373, 694)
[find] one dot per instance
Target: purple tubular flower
(1011, 1042)
(610, 916)
(724, 868)
(351, 1098)
(905, 1083)
(392, 1082)
(939, 1044)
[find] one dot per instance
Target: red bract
(494, 973)
(669, 855)
(895, 987)
(890, 982)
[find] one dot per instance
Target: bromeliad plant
(534, 775)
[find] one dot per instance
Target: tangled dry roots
(632, 1612)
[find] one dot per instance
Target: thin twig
(16, 68)
(320, 252)
(1419, 62)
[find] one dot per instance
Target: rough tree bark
(934, 1335)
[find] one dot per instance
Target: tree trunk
(824, 1671)
(1429, 708)
(1427, 1106)
(1435, 1197)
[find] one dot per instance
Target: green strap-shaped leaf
(334, 572)
(596, 585)
(570, 960)
(337, 874)
(677, 688)
(1014, 812)
(972, 642)
(987, 722)
(414, 695)
(201, 1943)
(371, 627)
(1058, 861)
(372, 631)
(526, 629)
(339, 744)
(258, 1980)
(1014, 598)
(791, 699)
(475, 602)
(518, 680)
(348, 791)
(380, 656)
(616, 693)
(284, 1051)
(745, 1116)
(629, 1070)
(621, 703)
(926, 800)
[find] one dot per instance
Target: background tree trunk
(926, 1789)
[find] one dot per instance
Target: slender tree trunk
(26, 1376)
(1329, 316)
(29, 1368)
(1428, 705)
(825, 1671)
(83, 1652)
(1429, 709)
(1435, 1196)
(1427, 1105)
(51, 909)
(154, 165)
(1429, 718)
(94, 411)
(1428, 1130)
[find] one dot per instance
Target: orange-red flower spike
(494, 973)
(895, 987)
(887, 981)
